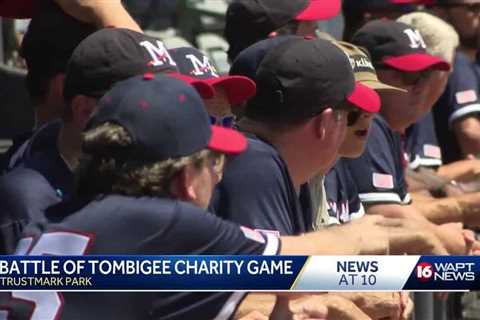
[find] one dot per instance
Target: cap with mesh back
(249, 21)
(165, 118)
(398, 46)
(363, 68)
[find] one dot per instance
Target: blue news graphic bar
(149, 272)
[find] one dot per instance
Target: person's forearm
(464, 208)
(102, 14)
(440, 211)
(115, 16)
(458, 170)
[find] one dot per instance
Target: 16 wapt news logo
(445, 271)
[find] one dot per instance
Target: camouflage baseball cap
(363, 67)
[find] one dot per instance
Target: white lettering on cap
(159, 53)
(201, 67)
(416, 39)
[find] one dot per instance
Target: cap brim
(238, 88)
(203, 88)
(320, 10)
(365, 98)
(227, 141)
(416, 62)
(377, 85)
(18, 9)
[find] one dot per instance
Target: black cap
(111, 55)
(397, 45)
(165, 118)
(249, 21)
(50, 40)
(300, 78)
(247, 62)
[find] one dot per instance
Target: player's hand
(305, 307)
(413, 236)
(378, 305)
(453, 237)
(342, 309)
(369, 234)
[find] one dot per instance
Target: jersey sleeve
(194, 231)
(463, 86)
(378, 173)
(254, 193)
(25, 195)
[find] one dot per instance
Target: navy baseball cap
(297, 77)
(114, 54)
(165, 118)
(249, 21)
(397, 45)
(195, 64)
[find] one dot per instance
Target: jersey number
(48, 305)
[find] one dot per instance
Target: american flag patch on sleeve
(383, 181)
(252, 234)
(468, 96)
(432, 151)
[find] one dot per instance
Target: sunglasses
(226, 122)
(413, 79)
(353, 113)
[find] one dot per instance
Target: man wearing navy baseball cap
(295, 124)
(230, 91)
(249, 21)
(151, 159)
(45, 175)
(399, 54)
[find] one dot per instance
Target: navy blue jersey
(421, 144)
(459, 100)
(118, 225)
(342, 195)
(257, 191)
(379, 172)
(40, 178)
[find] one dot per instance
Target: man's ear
(82, 108)
(182, 185)
(322, 123)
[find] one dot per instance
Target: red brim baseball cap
(416, 62)
(320, 10)
(238, 88)
(17, 9)
(204, 89)
(365, 98)
(227, 141)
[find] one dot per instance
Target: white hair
(440, 37)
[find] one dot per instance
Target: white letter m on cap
(201, 67)
(159, 53)
(416, 39)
